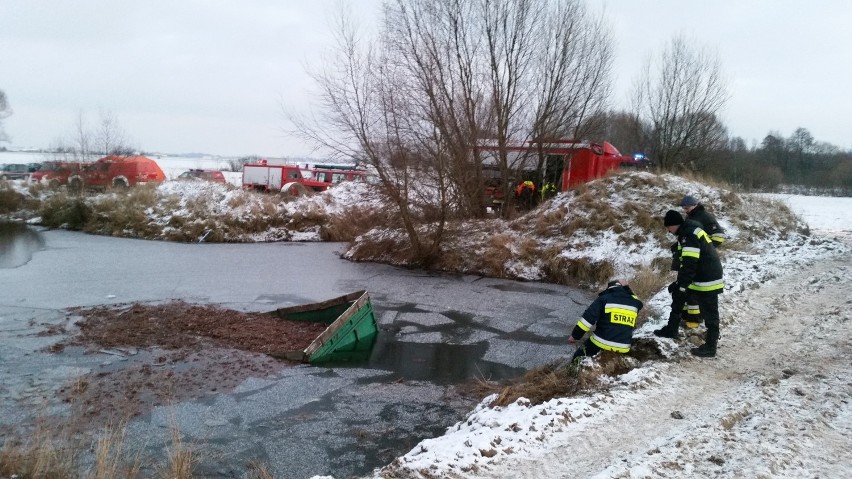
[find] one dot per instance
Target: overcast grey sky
(207, 76)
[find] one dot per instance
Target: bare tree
(236, 164)
(5, 111)
(444, 76)
(365, 117)
(621, 128)
(109, 137)
(681, 96)
(83, 148)
(86, 144)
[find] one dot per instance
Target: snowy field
(775, 402)
(823, 214)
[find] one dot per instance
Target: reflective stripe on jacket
(612, 316)
(700, 268)
(708, 223)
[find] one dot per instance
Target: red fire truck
(562, 163)
(296, 179)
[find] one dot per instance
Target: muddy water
(436, 332)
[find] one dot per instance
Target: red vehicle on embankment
(117, 172)
(56, 173)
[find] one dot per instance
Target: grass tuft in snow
(562, 379)
(65, 211)
(10, 200)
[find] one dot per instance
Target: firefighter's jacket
(548, 190)
(613, 317)
(708, 224)
(700, 269)
(526, 185)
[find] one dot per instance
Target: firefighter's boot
(672, 329)
(667, 332)
(708, 349)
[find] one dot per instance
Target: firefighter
(700, 272)
(525, 194)
(695, 211)
(548, 191)
(612, 316)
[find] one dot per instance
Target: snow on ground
(775, 402)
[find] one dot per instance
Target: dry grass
(393, 249)
(257, 470)
(59, 449)
(181, 459)
(497, 254)
(121, 213)
(63, 210)
(564, 379)
(111, 459)
(558, 379)
(354, 222)
(699, 177)
(46, 454)
(10, 200)
(645, 283)
(577, 271)
(549, 221)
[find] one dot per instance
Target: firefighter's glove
(673, 287)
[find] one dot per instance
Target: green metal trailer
(350, 334)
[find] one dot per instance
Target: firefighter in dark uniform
(612, 316)
(699, 272)
(695, 211)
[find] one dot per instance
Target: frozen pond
(436, 331)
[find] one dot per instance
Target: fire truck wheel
(119, 183)
(295, 189)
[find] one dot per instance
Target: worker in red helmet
(525, 193)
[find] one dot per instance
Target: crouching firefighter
(699, 273)
(612, 316)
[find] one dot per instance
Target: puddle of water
(18, 242)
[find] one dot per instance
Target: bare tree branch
(681, 99)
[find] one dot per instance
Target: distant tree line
(797, 160)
